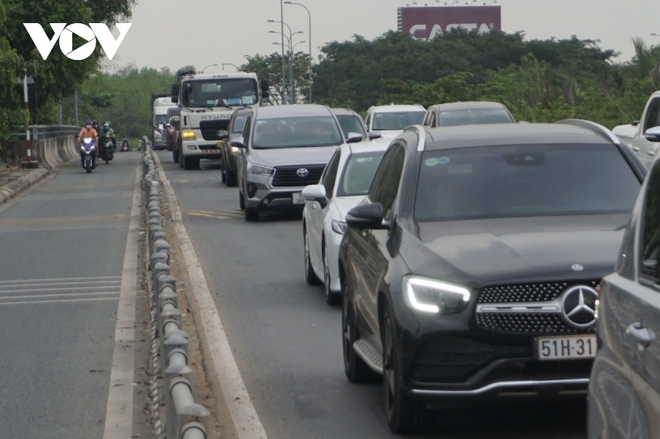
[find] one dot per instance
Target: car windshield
(161, 118)
(473, 117)
(397, 120)
(524, 180)
(219, 92)
(358, 173)
(351, 124)
(292, 132)
(239, 123)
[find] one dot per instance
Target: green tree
(12, 116)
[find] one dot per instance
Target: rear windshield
(533, 180)
(358, 173)
(292, 132)
(351, 124)
(474, 117)
(397, 120)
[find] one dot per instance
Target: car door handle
(642, 335)
(636, 148)
(650, 152)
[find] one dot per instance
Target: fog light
(266, 201)
(252, 189)
(192, 146)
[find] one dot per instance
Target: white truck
(633, 134)
(159, 106)
(207, 102)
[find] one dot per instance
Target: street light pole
(210, 65)
(309, 15)
(229, 64)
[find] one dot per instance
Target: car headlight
(339, 227)
(433, 296)
(258, 169)
(188, 135)
(234, 149)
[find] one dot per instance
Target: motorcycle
(87, 150)
(124, 147)
(106, 152)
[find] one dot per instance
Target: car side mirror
(175, 90)
(653, 134)
(366, 216)
(374, 136)
(316, 192)
(353, 138)
(238, 142)
(175, 99)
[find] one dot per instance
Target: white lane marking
(34, 290)
(33, 296)
(58, 301)
(63, 279)
(243, 414)
(100, 225)
(119, 412)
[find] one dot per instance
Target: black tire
(310, 276)
(331, 298)
(241, 200)
(404, 415)
(355, 368)
(232, 179)
(187, 163)
(180, 159)
(88, 166)
(175, 155)
(251, 214)
(223, 174)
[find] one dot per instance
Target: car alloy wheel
(310, 276)
(331, 298)
(404, 415)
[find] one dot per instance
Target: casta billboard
(425, 23)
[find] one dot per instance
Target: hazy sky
(175, 33)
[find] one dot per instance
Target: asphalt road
(287, 341)
(62, 248)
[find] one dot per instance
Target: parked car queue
(468, 254)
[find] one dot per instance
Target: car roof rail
(594, 128)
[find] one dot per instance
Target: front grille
(287, 176)
(534, 292)
(454, 359)
(524, 323)
(210, 128)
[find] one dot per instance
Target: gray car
(283, 149)
(351, 122)
(624, 390)
(467, 113)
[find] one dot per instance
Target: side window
(432, 121)
(329, 176)
(367, 121)
(427, 118)
(246, 131)
(649, 258)
(653, 114)
(386, 181)
(238, 123)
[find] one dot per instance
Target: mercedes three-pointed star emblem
(578, 306)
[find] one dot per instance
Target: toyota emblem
(578, 306)
(302, 172)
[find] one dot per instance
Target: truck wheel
(241, 200)
(187, 163)
(180, 159)
(175, 155)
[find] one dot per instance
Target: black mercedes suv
(470, 270)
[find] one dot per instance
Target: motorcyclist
(107, 131)
(89, 131)
(125, 145)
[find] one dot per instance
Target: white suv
(390, 120)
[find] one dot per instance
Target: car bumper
(446, 356)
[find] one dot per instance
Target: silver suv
(282, 150)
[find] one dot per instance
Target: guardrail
(49, 131)
(184, 419)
